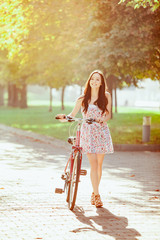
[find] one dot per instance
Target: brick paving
(30, 169)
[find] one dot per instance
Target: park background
(48, 49)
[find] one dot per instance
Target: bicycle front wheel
(74, 181)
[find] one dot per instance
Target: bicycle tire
(73, 188)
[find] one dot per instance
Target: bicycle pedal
(59, 190)
(63, 177)
(83, 172)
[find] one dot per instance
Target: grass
(125, 127)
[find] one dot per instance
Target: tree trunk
(62, 98)
(15, 96)
(1, 95)
(115, 97)
(12, 95)
(23, 96)
(50, 98)
(9, 94)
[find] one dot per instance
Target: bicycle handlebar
(73, 119)
(59, 117)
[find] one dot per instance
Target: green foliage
(122, 42)
(14, 22)
(40, 38)
(154, 4)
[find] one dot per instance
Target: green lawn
(125, 127)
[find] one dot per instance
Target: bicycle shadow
(110, 224)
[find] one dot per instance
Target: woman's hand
(103, 119)
(61, 117)
(100, 120)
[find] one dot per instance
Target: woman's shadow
(110, 224)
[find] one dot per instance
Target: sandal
(93, 199)
(98, 202)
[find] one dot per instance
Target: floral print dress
(95, 138)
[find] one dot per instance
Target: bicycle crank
(59, 190)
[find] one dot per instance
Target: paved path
(30, 170)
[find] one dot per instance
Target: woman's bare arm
(77, 106)
(74, 111)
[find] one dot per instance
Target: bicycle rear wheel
(74, 181)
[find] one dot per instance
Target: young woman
(95, 138)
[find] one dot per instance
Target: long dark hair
(102, 100)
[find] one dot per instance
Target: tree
(122, 42)
(154, 4)
(41, 38)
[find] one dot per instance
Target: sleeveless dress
(95, 138)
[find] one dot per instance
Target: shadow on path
(108, 224)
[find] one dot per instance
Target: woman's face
(95, 81)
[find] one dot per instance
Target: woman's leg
(100, 158)
(94, 171)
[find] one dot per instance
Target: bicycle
(73, 170)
